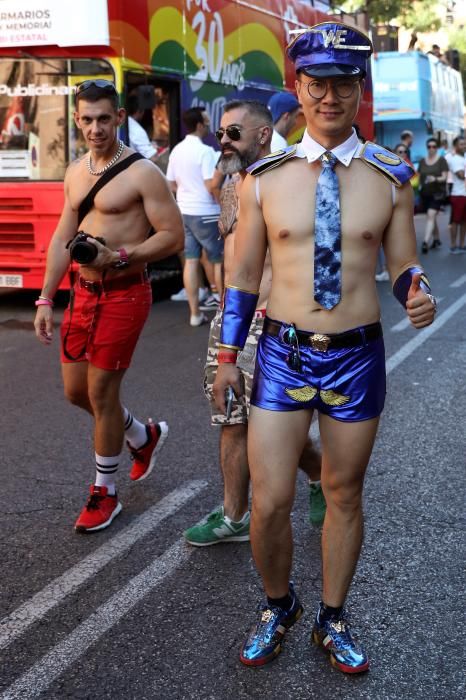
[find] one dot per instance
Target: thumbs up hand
(415, 286)
(420, 306)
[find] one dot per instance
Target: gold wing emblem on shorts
(387, 159)
(302, 394)
(331, 398)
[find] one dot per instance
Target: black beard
(234, 163)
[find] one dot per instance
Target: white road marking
(421, 336)
(457, 283)
(39, 677)
(13, 625)
(401, 325)
(408, 348)
(406, 323)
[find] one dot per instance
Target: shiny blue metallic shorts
(347, 384)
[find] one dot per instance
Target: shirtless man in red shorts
(111, 298)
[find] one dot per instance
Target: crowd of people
(442, 183)
(290, 249)
(439, 182)
(439, 185)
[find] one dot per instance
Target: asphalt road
(134, 612)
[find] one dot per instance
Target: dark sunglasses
(401, 152)
(293, 359)
(104, 85)
(432, 145)
(233, 132)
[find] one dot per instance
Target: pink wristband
(43, 302)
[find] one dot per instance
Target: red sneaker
(145, 456)
(99, 510)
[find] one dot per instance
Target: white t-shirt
(190, 163)
(278, 142)
(139, 140)
(455, 163)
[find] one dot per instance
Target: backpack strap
(88, 201)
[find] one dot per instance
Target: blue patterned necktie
(327, 236)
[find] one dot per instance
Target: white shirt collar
(345, 152)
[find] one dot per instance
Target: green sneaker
(317, 505)
(218, 528)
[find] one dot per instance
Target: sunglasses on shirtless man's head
(105, 85)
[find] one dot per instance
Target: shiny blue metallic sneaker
(265, 638)
(346, 653)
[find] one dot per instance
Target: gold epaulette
(391, 166)
(273, 160)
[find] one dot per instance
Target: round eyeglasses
(342, 87)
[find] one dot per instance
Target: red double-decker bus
(173, 53)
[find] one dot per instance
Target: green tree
(457, 40)
(418, 15)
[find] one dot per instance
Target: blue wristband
(238, 312)
(403, 283)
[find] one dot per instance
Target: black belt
(97, 286)
(324, 341)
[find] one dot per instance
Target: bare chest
(289, 205)
(116, 197)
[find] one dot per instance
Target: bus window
(161, 117)
(37, 133)
(162, 130)
(158, 102)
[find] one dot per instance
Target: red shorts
(106, 321)
(458, 209)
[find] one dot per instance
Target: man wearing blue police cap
(330, 49)
(323, 208)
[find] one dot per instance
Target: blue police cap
(280, 103)
(330, 49)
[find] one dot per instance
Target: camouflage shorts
(246, 363)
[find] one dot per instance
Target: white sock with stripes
(135, 431)
(106, 468)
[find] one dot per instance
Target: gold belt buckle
(319, 342)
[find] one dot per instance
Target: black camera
(82, 249)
